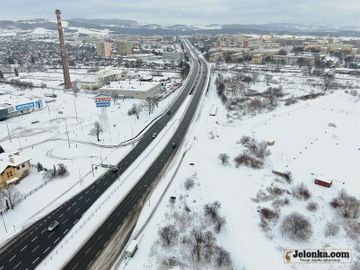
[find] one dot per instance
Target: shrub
(268, 214)
(296, 227)
(249, 161)
(331, 229)
(280, 202)
(189, 183)
(62, 170)
(168, 234)
(301, 192)
(224, 158)
(312, 206)
(222, 257)
(349, 206)
(355, 265)
(353, 229)
(39, 167)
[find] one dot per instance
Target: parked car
(173, 144)
(53, 225)
(154, 135)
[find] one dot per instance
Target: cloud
(336, 12)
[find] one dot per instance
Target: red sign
(102, 99)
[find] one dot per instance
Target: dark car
(154, 135)
(173, 144)
(168, 112)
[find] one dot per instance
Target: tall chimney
(64, 55)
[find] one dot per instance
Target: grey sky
(197, 12)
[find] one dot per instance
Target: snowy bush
(168, 234)
(347, 205)
(280, 202)
(222, 257)
(301, 192)
(331, 229)
(312, 206)
(212, 210)
(355, 265)
(62, 170)
(189, 183)
(249, 161)
(353, 229)
(296, 227)
(268, 216)
(224, 158)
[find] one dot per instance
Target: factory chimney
(64, 55)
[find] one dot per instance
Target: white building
(131, 89)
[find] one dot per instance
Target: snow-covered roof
(130, 85)
(11, 159)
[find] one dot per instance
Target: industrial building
(12, 105)
(131, 89)
(103, 77)
(125, 47)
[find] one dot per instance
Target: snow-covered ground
(47, 142)
(305, 144)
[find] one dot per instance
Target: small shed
(131, 249)
(323, 183)
(281, 174)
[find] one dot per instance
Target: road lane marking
(51, 234)
(77, 210)
(87, 251)
(35, 249)
(61, 215)
(73, 203)
(36, 260)
(43, 230)
(1, 267)
(46, 250)
(22, 249)
(96, 191)
(12, 258)
(87, 200)
(87, 192)
(57, 239)
(106, 243)
(16, 266)
(81, 198)
(68, 208)
(66, 220)
(34, 239)
(65, 231)
(99, 237)
(76, 221)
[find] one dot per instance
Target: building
(216, 57)
(293, 60)
(257, 59)
(125, 47)
(13, 167)
(13, 105)
(104, 49)
(103, 77)
(131, 89)
(173, 57)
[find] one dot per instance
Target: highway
(28, 249)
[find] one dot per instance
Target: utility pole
(67, 132)
(76, 111)
(9, 135)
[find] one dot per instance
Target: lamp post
(3, 221)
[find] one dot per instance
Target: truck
(131, 249)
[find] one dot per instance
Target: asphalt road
(28, 249)
(92, 248)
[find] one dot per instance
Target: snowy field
(47, 142)
(304, 144)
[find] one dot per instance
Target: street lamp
(3, 221)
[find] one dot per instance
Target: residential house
(13, 167)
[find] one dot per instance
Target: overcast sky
(195, 12)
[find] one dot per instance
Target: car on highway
(53, 225)
(173, 144)
(168, 112)
(154, 135)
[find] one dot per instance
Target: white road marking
(51, 234)
(21, 250)
(68, 208)
(57, 239)
(35, 249)
(18, 264)
(106, 243)
(36, 260)
(87, 251)
(99, 237)
(73, 204)
(66, 220)
(80, 198)
(75, 221)
(12, 258)
(77, 210)
(34, 239)
(43, 230)
(61, 215)
(46, 250)
(87, 200)
(1, 267)
(65, 231)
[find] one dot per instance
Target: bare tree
(97, 130)
(328, 81)
(149, 103)
(222, 257)
(224, 158)
(10, 194)
(331, 229)
(296, 227)
(62, 170)
(168, 234)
